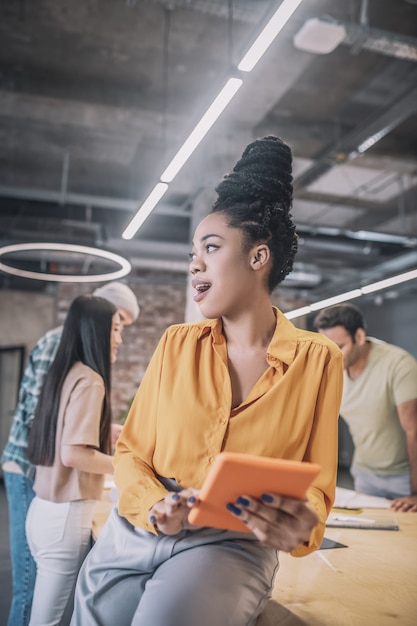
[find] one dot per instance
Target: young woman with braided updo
(245, 380)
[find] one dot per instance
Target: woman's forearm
(87, 459)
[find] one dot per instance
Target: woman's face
(222, 273)
(126, 318)
(115, 337)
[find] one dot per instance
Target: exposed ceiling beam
(353, 144)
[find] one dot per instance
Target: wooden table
(372, 582)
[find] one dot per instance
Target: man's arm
(407, 414)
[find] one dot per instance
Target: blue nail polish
(267, 498)
(176, 496)
(191, 499)
(243, 501)
(152, 519)
(233, 509)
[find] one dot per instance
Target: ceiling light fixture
(373, 139)
(145, 210)
(125, 266)
(202, 128)
(355, 293)
(319, 36)
(268, 34)
(255, 52)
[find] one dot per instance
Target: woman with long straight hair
(71, 447)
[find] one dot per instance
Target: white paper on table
(347, 498)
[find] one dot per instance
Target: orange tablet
(234, 474)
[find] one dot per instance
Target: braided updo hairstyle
(256, 197)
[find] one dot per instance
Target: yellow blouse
(181, 417)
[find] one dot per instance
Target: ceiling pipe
(397, 265)
(363, 236)
(64, 178)
(100, 202)
(44, 195)
(363, 37)
(364, 29)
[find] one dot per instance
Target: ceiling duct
(23, 228)
(323, 34)
(359, 37)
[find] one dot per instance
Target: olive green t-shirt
(369, 408)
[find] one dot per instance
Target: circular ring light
(125, 266)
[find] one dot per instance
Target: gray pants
(206, 577)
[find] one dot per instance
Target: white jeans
(59, 535)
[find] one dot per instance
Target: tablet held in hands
(235, 474)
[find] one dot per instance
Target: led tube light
(202, 128)
(389, 282)
(268, 34)
(355, 293)
(147, 207)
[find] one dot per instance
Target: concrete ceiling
(97, 97)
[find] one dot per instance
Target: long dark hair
(86, 338)
(256, 198)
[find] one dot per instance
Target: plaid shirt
(38, 364)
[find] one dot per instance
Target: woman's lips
(201, 288)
